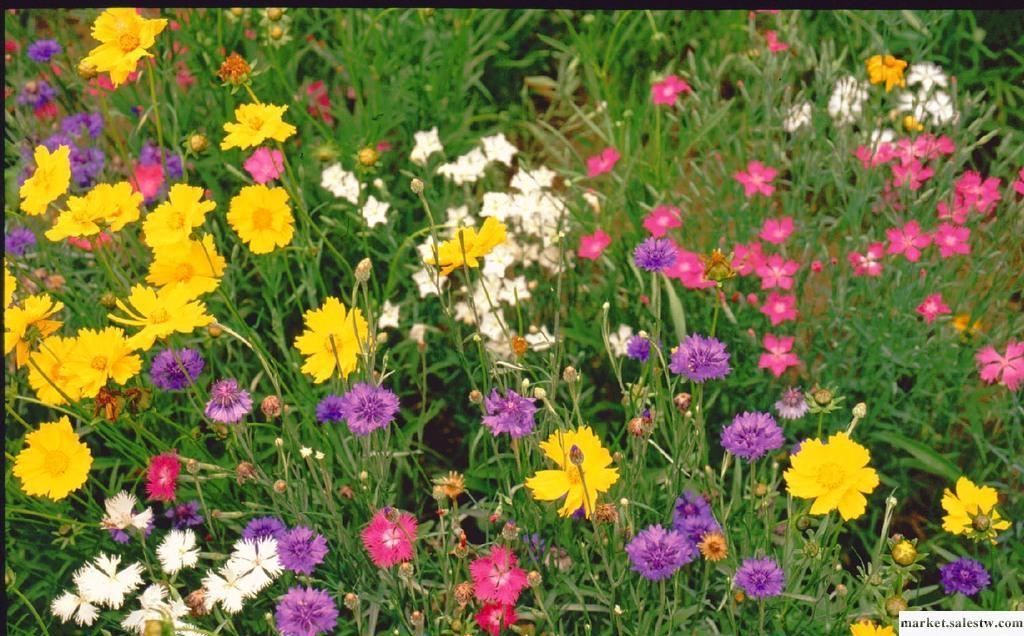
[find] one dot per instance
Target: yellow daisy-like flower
(468, 246)
(333, 339)
(50, 180)
(583, 471)
(172, 221)
(262, 218)
(125, 38)
(867, 628)
(256, 124)
(10, 286)
(82, 218)
(160, 313)
(48, 373)
(101, 356)
(54, 461)
(25, 323)
(120, 203)
(836, 475)
(194, 265)
(971, 511)
(962, 323)
(887, 69)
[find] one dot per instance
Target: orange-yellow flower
(583, 471)
(160, 313)
(193, 265)
(82, 218)
(256, 124)
(262, 218)
(48, 374)
(100, 356)
(835, 475)
(972, 511)
(31, 320)
(468, 246)
(50, 179)
(125, 38)
(887, 69)
(54, 461)
(333, 339)
(172, 221)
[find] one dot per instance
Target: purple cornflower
(655, 254)
(964, 575)
(512, 414)
(43, 50)
(121, 536)
(760, 578)
(301, 550)
(692, 516)
(263, 527)
(36, 93)
(228, 402)
(638, 348)
(700, 359)
(367, 408)
(86, 165)
(18, 239)
(306, 612)
(536, 547)
(184, 515)
(752, 435)
(792, 405)
(330, 409)
(166, 373)
(657, 553)
(691, 504)
(78, 123)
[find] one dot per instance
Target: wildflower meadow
(540, 322)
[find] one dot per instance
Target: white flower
(319, 455)
(425, 281)
(514, 289)
(427, 142)
(499, 260)
(375, 212)
(177, 551)
(466, 169)
(532, 180)
(928, 75)
(847, 99)
(540, 340)
(228, 587)
(121, 513)
(67, 605)
(593, 201)
(305, 451)
(342, 183)
(459, 217)
(388, 316)
(100, 582)
(881, 136)
(799, 116)
(619, 341)
(497, 204)
(497, 148)
(418, 333)
(155, 608)
(913, 103)
(257, 556)
(940, 107)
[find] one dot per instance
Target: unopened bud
(904, 552)
(368, 156)
(520, 345)
(363, 270)
(192, 466)
(761, 490)
(198, 143)
(271, 406)
(108, 300)
(196, 602)
(682, 401)
(570, 374)
(363, 475)
(981, 522)
(576, 455)
(351, 601)
(274, 14)
(803, 522)
(860, 409)
(280, 485)
(278, 442)
(539, 393)
(606, 513)
(416, 618)
(895, 604)
(823, 396)
(476, 397)
(153, 628)
(215, 331)
(510, 532)
(464, 593)
(533, 579)
(244, 471)
(416, 186)
(841, 590)
(405, 570)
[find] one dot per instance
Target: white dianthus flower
(228, 587)
(799, 116)
(375, 212)
(928, 75)
(102, 583)
(466, 169)
(847, 99)
(69, 605)
(418, 333)
(426, 281)
(341, 183)
(532, 180)
(619, 340)
(940, 108)
(178, 551)
(121, 513)
(388, 316)
(427, 142)
(497, 148)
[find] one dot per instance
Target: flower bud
(606, 513)
(682, 402)
(519, 345)
(198, 143)
(192, 466)
(351, 601)
(368, 156)
(244, 472)
(822, 396)
(196, 602)
(86, 70)
(761, 490)
(464, 593)
(153, 628)
(570, 375)
(860, 409)
(215, 330)
(895, 604)
(416, 618)
(476, 397)
(539, 393)
(278, 442)
(405, 570)
(234, 70)
(904, 552)
(803, 522)
(841, 590)
(576, 455)
(637, 427)
(416, 186)
(108, 300)
(271, 406)
(280, 486)
(346, 492)
(510, 532)
(275, 14)
(363, 270)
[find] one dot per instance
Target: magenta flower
(779, 356)
(773, 42)
(162, 476)
(264, 165)
(952, 239)
(757, 179)
(908, 240)
(777, 272)
(1006, 369)
(390, 542)
(981, 194)
(913, 174)
(779, 308)
(662, 219)
(666, 91)
(776, 230)
(869, 159)
(592, 246)
(747, 258)
(1018, 185)
(932, 308)
(147, 179)
(494, 617)
(689, 270)
(603, 162)
(496, 578)
(867, 264)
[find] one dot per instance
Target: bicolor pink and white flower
(908, 240)
(775, 271)
(868, 263)
(776, 231)
(666, 92)
(779, 309)
(933, 307)
(1006, 369)
(662, 219)
(757, 179)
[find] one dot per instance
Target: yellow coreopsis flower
(887, 69)
(48, 373)
(10, 286)
(333, 339)
(468, 246)
(193, 265)
(101, 356)
(120, 203)
(836, 475)
(971, 511)
(125, 38)
(582, 475)
(262, 218)
(172, 221)
(160, 313)
(867, 628)
(50, 180)
(256, 124)
(82, 218)
(29, 321)
(54, 461)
